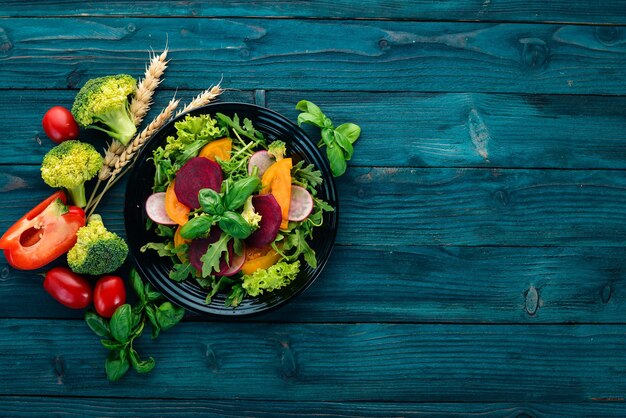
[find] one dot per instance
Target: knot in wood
(606, 293)
(73, 79)
(4, 273)
(59, 368)
(288, 365)
(532, 300)
(383, 44)
(608, 35)
(535, 53)
(6, 46)
(131, 27)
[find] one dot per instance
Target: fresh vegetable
(259, 258)
(177, 211)
(197, 174)
(274, 277)
(68, 288)
(235, 264)
(69, 165)
(277, 150)
(262, 160)
(338, 141)
(109, 294)
(102, 104)
(59, 124)
(218, 149)
(277, 181)
(45, 233)
(271, 217)
(127, 324)
(97, 250)
(301, 204)
(155, 209)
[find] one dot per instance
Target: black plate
(188, 294)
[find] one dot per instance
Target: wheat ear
(202, 99)
(141, 102)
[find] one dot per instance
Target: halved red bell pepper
(45, 233)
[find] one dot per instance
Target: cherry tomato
(109, 294)
(59, 124)
(68, 288)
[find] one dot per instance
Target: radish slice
(236, 262)
(301, 204)
(155, 208)
(261, 159)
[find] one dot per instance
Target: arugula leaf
(236, 295)
(211, 259)
(164, 249)
(180, 272)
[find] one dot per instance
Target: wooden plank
(422, 284)
(496, 10)
(463, 207)
(309, 55)
(403, 129)
(322, 362)
(22, 406)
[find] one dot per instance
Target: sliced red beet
(197, 174)
(199, 247)
(271, 217)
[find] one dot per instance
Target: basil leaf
(328, 137)
(336, 159)
(180, 272)
(151, 294)
(151, 314)
(311, 119)
(168, 315)
(238, 246)
(235, 225)
(141, 366)
(350, 130)
(346, 145)
(211, 201)
(121, 323)
(136, 312)
(111, 344)
(197, 227)
(137, 285)
(240, 191)
(115, 368)
(98, 325)
(309, 107)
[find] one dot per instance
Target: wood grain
(462, 207)
(281, 54)
(402, 129)
(22, 406)
(499, 10)
(349, 362)
(422, 284)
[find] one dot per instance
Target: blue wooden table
(481, 258)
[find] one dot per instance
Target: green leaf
(139, 365)
(98, 325)
(111, 344)
(336, 159)
(309, 107)
(151, 294)
(115, 368)
(235, 225)
(165, 231)
(137, 285)
(328, 137)
(240, 191)
(168, 315)
(197, 227)
(151, 314)
(346, 145)
(350, 130)
(181, 272)
(211, 259)
(164, 249)
(311, 119)
(235, 297)
(211, 202)
(122, 323)
(238, 246)
(136, 314)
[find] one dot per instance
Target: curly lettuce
(277, 276)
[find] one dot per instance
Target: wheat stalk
(133, 147)
(202, 99)
(141, 102)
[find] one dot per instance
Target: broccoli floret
(97, 250)
(250, 215)
(69, 165)
(277, 149)
(102, 104)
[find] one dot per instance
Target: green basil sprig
(127, 324)
(338, 141)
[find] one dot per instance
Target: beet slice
(197, 174)
(271, 217)
(199, 247)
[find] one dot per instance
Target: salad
(234, 211)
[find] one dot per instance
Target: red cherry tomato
(109, 294)
(68, 288)
(59, 124)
